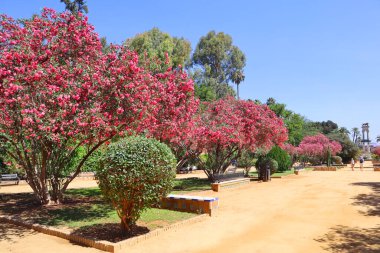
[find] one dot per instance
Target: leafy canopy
(134, 174)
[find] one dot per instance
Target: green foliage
(220, 62)
(134, 173)
(75, 6)
(246, 161)
(295, 123)
(349, 149)
(326, 127)
(336, 159)
(281, 157)
(264, 162)
(204, 92)
(92, 161)
(155, 44)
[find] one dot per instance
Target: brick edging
(101, 245)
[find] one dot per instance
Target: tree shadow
(351, 240)
(18, 203)
(12, 233)
(71, 214)
(371, 200)
(77, 208)
(109, 232)
(191, 184)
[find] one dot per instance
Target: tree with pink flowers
(318, 148)
(59, 92)
(224, 128)
(376, 151)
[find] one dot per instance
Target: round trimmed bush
(282, 157)
(134, 173)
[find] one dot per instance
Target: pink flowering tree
(318, 148)
(227, 127)
(174, 123)
(376, 151)
(293, 151)
(59, 92)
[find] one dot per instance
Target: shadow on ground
(12, 233)
(109, 232)
(351, 240)
(371, 201)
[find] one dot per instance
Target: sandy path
(305, 213)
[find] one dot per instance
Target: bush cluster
(281, 157)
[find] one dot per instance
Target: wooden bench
(228, 180)
(192, 204)
(9, 178)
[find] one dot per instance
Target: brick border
(101, 245)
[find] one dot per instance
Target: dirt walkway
(312, 212)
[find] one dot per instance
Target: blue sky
(321, 58)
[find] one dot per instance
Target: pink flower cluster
(55, 84)
(316, 146)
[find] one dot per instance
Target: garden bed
(85, 214)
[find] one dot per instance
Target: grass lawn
(191, 184)
(84, 216)
(87, 214)
(101, 212)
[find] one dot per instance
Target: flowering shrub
(227, 127)
(318, 147)
(60, 92)
(376, 151)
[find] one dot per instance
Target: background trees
(160, 50)
(218, 62)
(75, 6)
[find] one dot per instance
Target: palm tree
(344, 130)
(378, 138)
(237, 78)
(355, 134)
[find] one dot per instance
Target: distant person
(352, 164)
(361, 160)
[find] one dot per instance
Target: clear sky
(321, 58)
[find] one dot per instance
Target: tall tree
(349, 149)
(156, 45)
(220, 61)
(75, 6)
(355, 134)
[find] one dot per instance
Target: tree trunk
(125, 225)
